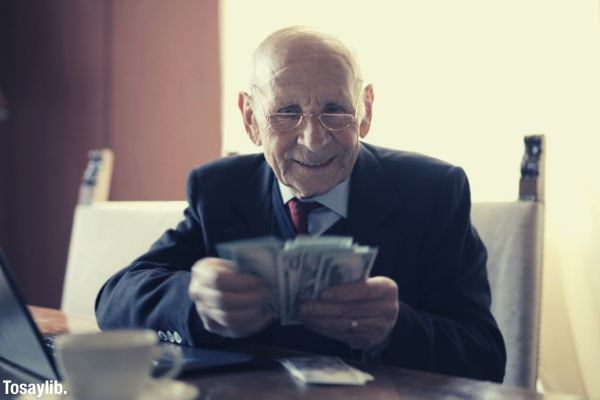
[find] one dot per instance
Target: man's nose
(314, 136)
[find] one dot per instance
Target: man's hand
(230, 304)
(361, 314)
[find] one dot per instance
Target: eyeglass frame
(303, 114)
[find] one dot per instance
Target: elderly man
(426, 305)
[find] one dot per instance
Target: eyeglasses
(331, 121)
(291, 121)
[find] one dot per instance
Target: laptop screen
(20, 341)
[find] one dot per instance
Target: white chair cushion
(106, 237)
(512, 233)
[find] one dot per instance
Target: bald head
(299, 45)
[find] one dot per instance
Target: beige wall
(139, 77)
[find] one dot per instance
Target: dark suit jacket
(414, 208)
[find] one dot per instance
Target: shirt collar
(336, 199)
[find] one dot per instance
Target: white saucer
(169, 389)
(164, 389)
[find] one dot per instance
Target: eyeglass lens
(291, 121)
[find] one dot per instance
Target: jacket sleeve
(152, 292)
(451, 330)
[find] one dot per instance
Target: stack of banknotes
(325, 371)
(298, 270)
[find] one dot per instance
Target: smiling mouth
(315, 165)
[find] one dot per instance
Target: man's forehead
(303, 57)
(310, 76)
(306, 87)
(306, 92)
(308, 70)
(307, 81)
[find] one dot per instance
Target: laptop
(22, 346)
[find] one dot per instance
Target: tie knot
(299, 211)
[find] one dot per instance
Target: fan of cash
(298, 270)
(325, 370)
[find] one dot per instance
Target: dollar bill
(259, 257)
(298, 270)
(289, 274)
(305, 287)
(325, 370)
(339, 267)
(305, 242)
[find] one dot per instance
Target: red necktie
(299, 211)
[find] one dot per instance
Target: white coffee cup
(112, 365)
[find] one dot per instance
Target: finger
(216, 273)
(212, 262)
(359, 309)
(254, 326)
(235, 319)
(231, 300)
(361, 342)
(373, 288)
(365, 336)
(343, 327)
(260, 322)
(211, 325)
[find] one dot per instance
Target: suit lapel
(251, 207)
(372, 210)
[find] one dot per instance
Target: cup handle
(173, 353)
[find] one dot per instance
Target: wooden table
(264, 378)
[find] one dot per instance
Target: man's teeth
(313, 164)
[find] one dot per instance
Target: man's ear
(245, 106)
(365, 123)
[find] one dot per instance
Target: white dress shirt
(335, 204)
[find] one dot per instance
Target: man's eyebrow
(286, 101)
(338, 101)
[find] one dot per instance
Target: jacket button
(170, 336)
(177, 337)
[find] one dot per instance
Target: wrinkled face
(310, 158)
